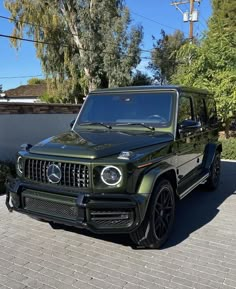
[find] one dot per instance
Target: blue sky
(153, 15)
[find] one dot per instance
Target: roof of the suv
(150, 87)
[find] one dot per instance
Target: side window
(185, 109)
(211, 111)
(200, 110)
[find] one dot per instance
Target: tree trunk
(227, 125)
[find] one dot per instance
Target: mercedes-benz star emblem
(54, 174)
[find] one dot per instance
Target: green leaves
(164, 55)
(87, 44)
(211, 64)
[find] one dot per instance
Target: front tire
(159, 219)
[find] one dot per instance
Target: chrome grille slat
(32, 172)
(36, 169)
(73, 175)
(69, 175)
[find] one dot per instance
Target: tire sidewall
(214, 182)
(156, 242)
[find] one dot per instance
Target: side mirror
(189, 124)
(72, 123)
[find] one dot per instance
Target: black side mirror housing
(189, 124)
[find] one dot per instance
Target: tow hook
(9, 207)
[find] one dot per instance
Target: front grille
(72, 175)
(51, 208)
(112, 218)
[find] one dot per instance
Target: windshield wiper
(138, 123)
(96, 123)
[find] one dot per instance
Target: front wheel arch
(159, 218)
(151, 179)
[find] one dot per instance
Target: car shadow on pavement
(193, 212)
(202, 206)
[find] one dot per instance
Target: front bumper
(99, 213)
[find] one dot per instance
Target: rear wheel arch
(209, 154)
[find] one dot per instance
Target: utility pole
(190, 16)
(190, 20)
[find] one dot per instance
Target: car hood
(96, 144)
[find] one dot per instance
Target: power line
(29, 40)
(20, 21)
(152, 20)
(24, 76)
(40, 26)
(55, 44)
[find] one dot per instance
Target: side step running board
(193, 186)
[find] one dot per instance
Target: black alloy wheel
(158, 222)
(163, 212)
(214, 178)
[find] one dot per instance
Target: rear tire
(214, 178)
(159, 219)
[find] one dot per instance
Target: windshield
(153, 109)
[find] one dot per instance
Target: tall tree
(36, 80)
(212, 64)
(164, 62)
(140, 78)
(90, 43)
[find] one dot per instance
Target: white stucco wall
(19, 100)
(16, 129)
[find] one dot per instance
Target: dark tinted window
(150, 108)
(200, 110)
(211, 111)
(185, 109)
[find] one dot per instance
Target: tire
(214, 178)
(55, 226)
(158, 222)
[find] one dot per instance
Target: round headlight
(111, 175)
(20, 164)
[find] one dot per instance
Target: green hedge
(229, 148)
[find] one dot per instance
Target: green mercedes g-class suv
(130, 154)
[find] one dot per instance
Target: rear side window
(200, 110)
(211, 111)
(185, 109)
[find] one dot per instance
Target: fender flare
(209, 154)
(150, 179)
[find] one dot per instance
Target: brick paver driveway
(200, 254)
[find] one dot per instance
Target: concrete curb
(225, 160)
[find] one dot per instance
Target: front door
(187, 143)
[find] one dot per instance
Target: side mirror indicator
(26, 147)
